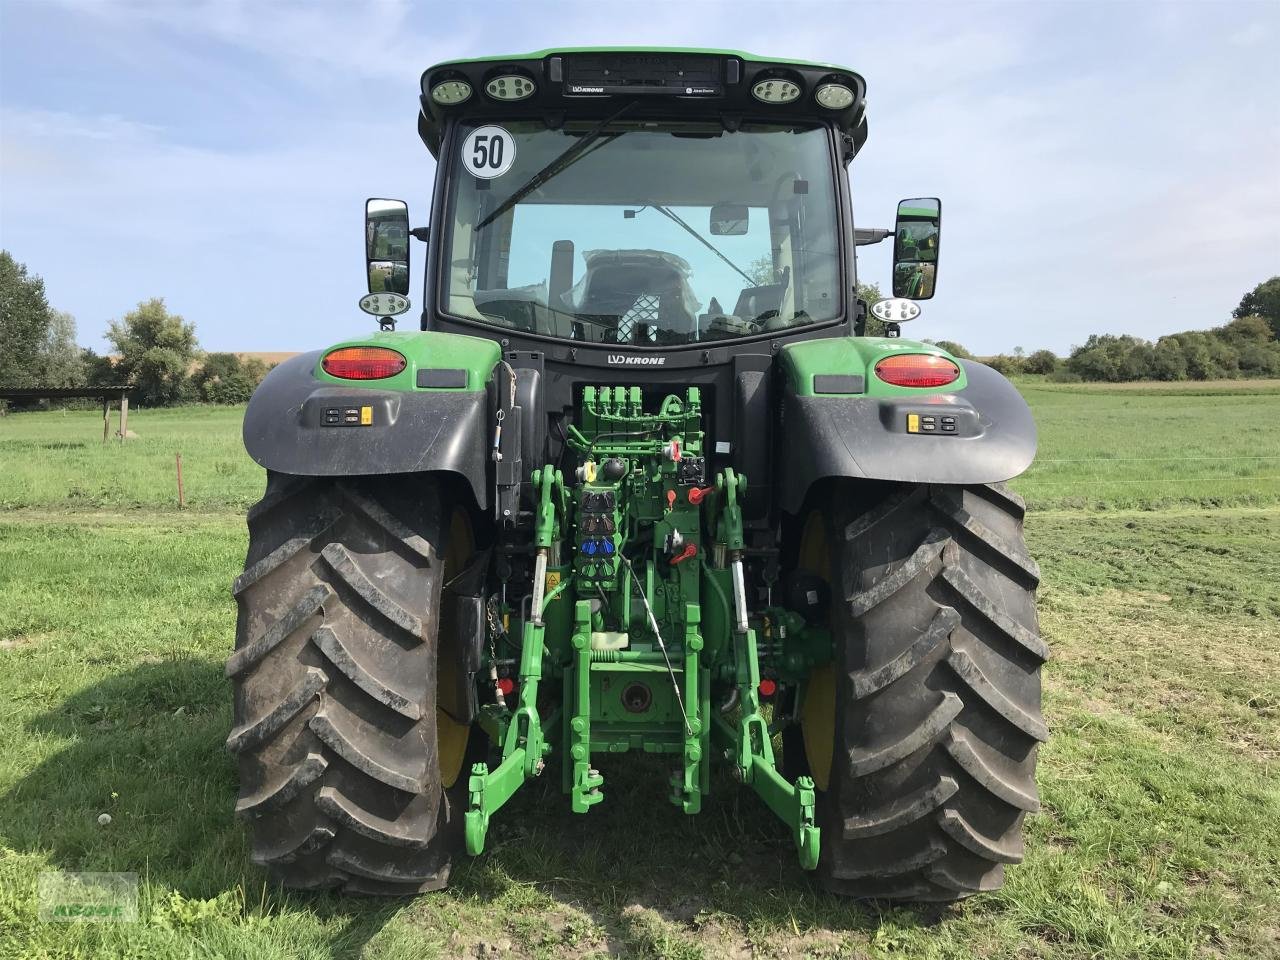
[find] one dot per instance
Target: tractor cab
(654, 201)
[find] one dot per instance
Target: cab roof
(671, 82)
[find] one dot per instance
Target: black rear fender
(290, 427)
(994, 437)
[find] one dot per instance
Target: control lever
(688, 553)
(698, 494)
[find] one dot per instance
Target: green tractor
(641, 483)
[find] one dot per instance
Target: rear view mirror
(915, 248)
(729, 219)
(386, 236)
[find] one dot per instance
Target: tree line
(155, 352)
(1247, 346)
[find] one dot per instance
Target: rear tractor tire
(348, 741)
(922, 735)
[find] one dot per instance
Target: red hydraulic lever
(690, 551)
(698, 494)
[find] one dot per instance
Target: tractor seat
(636, 296)
(754, 301)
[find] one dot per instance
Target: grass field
(1161, 783)
(58, 460)
(1114, 446)
(1102, 446)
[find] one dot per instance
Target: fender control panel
(931, 423)
(348, 416)
(938, 416)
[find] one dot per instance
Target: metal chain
(495, 628)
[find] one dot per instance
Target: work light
(451, 92)
(775, 90)
(834, 96)
(511, 87)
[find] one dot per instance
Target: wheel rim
(451, 735)
(818, 711)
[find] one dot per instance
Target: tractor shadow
(145, 747)
(712, 877)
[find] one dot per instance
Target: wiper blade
(706, 243)
(572, 155)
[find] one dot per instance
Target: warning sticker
(553, 581)
(488, 152)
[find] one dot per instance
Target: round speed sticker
(488, 152)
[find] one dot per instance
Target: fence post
(106, 417)
(181, 501)
(124, 415)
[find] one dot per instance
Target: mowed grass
(1160, 789)
(1150, 446)
(1174, 387)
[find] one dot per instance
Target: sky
(1103, 167)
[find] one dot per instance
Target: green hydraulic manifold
(638, 608)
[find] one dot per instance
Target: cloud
(1255, 34)
(315, 42)
(230, 237)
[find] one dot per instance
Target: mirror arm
(862, 236)
(420, 233)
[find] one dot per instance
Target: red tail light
(363, 363)
(917, 370)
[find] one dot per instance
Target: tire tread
(939, 719)
(338, 609)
